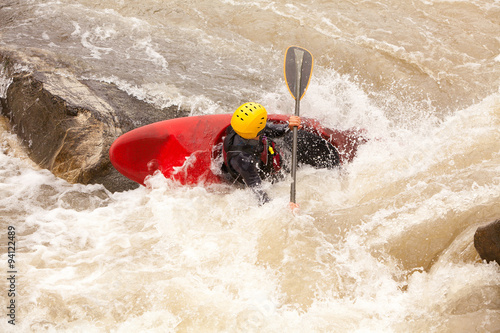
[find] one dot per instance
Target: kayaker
(250, 155)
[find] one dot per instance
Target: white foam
(370, 250)
(5, 81)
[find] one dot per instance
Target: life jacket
(270, 157)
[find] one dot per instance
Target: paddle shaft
(299, 56)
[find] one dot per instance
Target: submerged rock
(68, 124)
(487, 241)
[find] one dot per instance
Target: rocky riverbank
(68, 124)
(487, 241)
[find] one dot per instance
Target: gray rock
(487, 241)
(69, 124)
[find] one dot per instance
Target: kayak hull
(184, 149)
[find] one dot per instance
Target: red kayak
(184, 148)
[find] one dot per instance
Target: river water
(383, 244)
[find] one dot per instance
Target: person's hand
(294, 207)
(294, 121)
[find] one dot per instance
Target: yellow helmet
(249, 119)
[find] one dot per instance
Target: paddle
(298, 68)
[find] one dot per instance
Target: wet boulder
(68, 124)
(487, 241)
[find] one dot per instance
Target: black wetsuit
(243, 157)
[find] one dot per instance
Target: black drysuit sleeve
(246, 165)
(275, 130)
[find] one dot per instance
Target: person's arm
(246, 166)
(277, 130)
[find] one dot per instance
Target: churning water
(384, 244)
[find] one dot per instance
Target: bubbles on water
(170, 256)
(382, 244)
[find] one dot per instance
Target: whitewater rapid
(382, 244)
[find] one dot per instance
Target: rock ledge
(69, 124)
